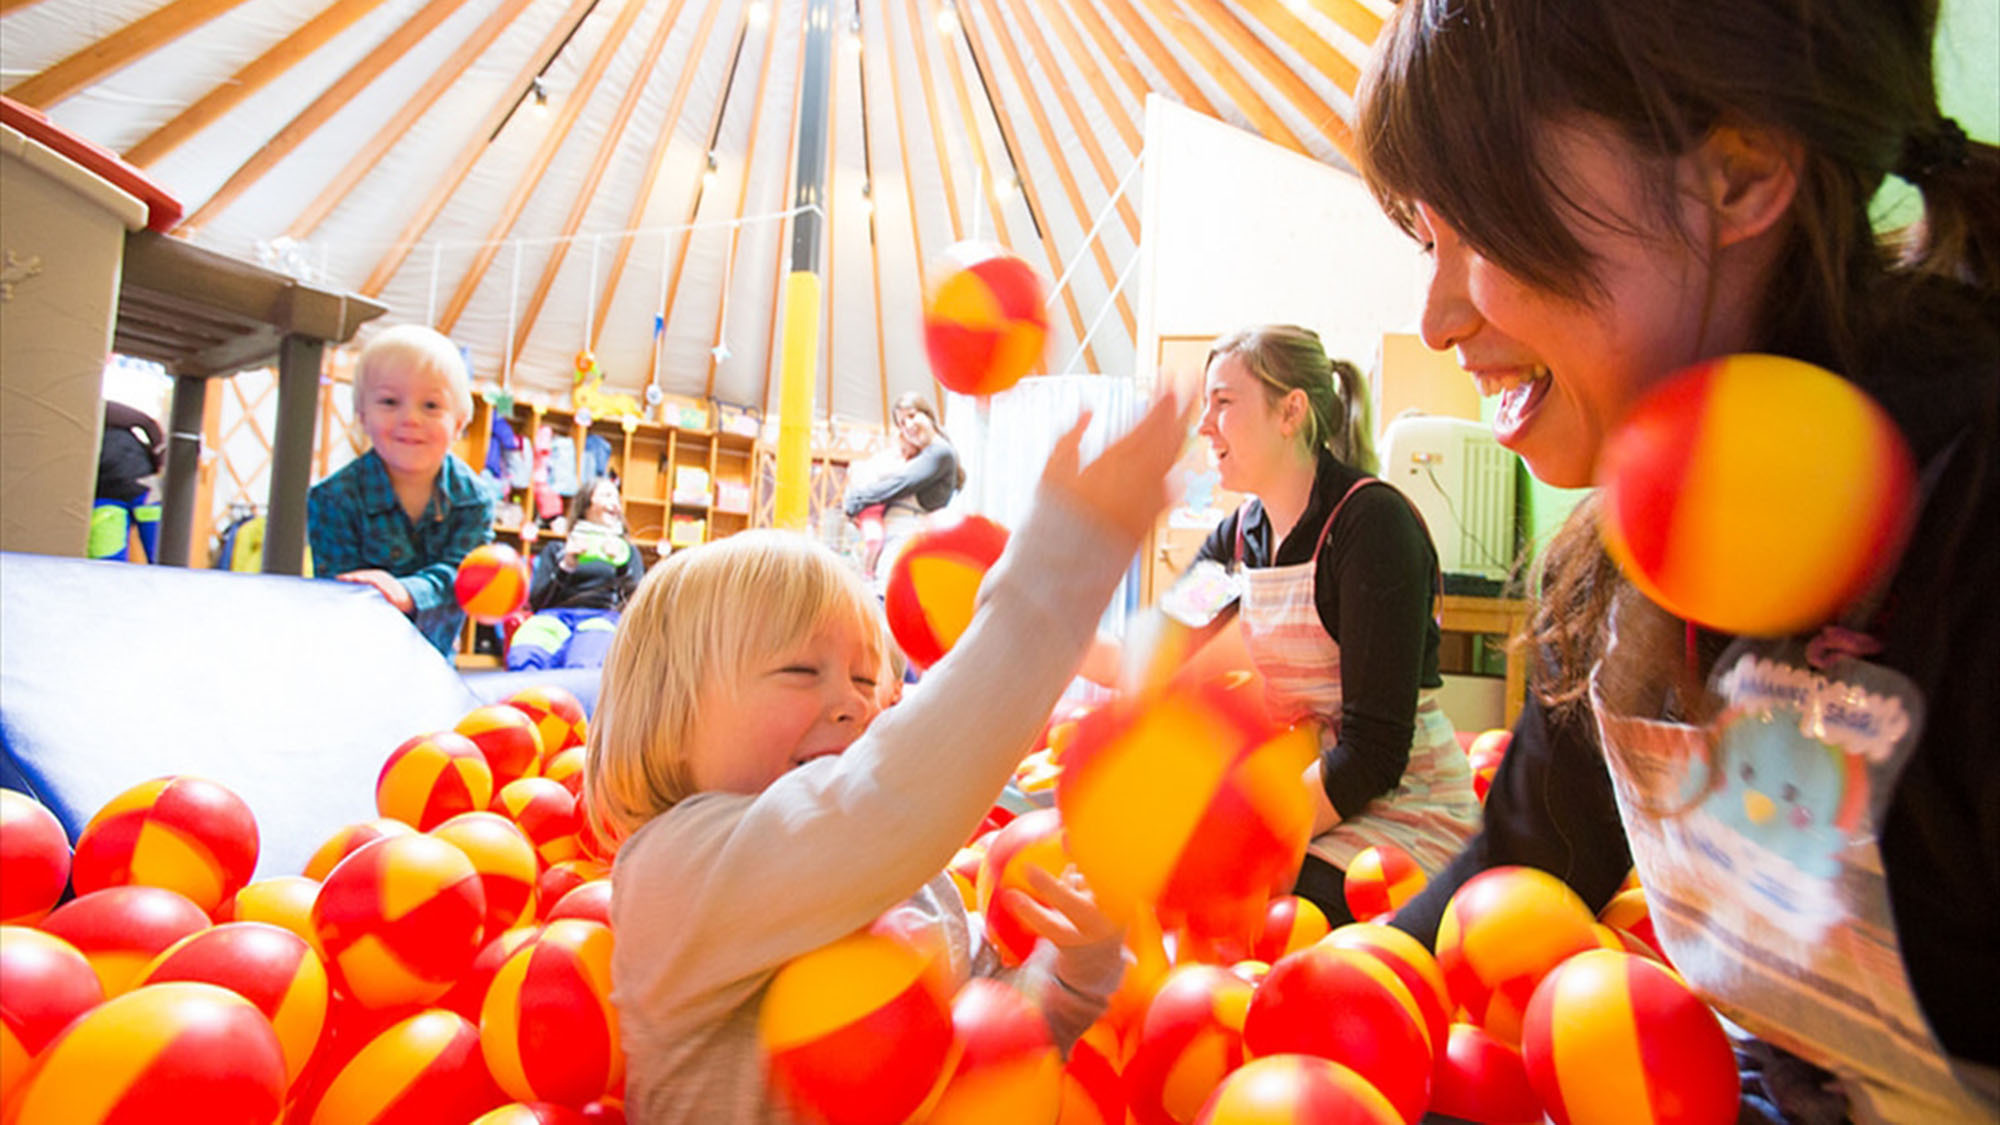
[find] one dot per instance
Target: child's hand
(385, 584)
(1126, 486)
(1063, 910)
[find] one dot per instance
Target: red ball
(565, 767)
(285, 901)
(399, 920)
(505, 862)
(346, 841)
(1005, 1068)
(167, 1053)
(34, 859)
(492, 583)
(1501, 933)
(1479, 1078)
(1093, 1082)
(531, 1113)
(1190, 1039)
(559, 879)
(187, 834)
(547, 815)
(420, 1071)
(1033, 839)
(856, 1031)
(1346, 1005)
(1296, 1090)
(270, 967)
(1628, 913)
(1617, 1038)
(985, 319)
(556, 712)
(468, 993)
(934, 583)
(431, 778)
(1290, 924)
(1380, 879)
(121, 929)
(590, 901)
(1412, 964)
(509, 739)
(44, 984)
(547, 1027)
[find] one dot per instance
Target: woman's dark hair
(579, 504)
(1286, 358)
(914, 400)
(1453, 111)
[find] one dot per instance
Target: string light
(540, 91)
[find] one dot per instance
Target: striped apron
(1432, 811)
(1784, 927)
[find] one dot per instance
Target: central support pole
(799, 355)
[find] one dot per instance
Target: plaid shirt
(355, 522)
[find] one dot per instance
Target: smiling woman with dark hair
(888, 505)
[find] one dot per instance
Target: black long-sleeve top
(1551, 805)
(930, 478)
(1374, 591)
(594, 583)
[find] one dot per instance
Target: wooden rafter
(136, 39)
(920, 32)
(475, 146)
(974, 137)
(1297, 34)
(370, 154)
(322, 109)
(1079, 209)
(742, 195)
(1262, 117)
(530, 178)
(607, 146)
(1059, 12)
(874, 243)
(1054, 16)
(1139, 31)
(654, 159)
(1078, 122)
(1278, 73)
(783, 242)
(695, 197)
(909, 188)
(1352, 15)
(261, 71)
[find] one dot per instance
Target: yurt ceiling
(539, 177)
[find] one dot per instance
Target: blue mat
(289, 691)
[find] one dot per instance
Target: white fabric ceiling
(357, 153)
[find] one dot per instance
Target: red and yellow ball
(399, 920)
(546, 1026)
(491, 583)
(431, 778)
(1380, 879)
(1296, 1090)
(934, 584)
(509, 739)
(272, 968)
(556, 712)
(44, 984)
(424, 1069)
(985, 320)
(119, 930)
(34, 859)
(187, 834)
(1503, 931)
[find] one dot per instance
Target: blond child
(403, 515)
(762, 808)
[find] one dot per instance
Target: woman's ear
(1748, 177)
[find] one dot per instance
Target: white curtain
(1004, 441)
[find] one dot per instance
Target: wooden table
(1501, 617)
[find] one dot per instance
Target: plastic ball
(1413, 965)
(1006, 1069)
(169, 1053)
(119, 930)
(424, 1069)
(985, 320)
(468, 992)
(856, 1031)
(346, 841)
(605, 1111)
(1290, 924)
(1628, 913)
(590, 901)
(284, 901)
(1611, 1037)
(1756, 494)
(505, 862)
(1031, 840)
(559, 879)
(270, 967)
(492, 583)
(934, 583)
(1191, 1038)
(556, 712)
(546, 813)
(1501, 933)
(431, 778)
(964, 871)
(531, 1113)
(1296, 1090)
(509, 739)
(565, 768)
(1380, 879)
(1093, 1083)
(187, 834)
(1189, 804)
(34, 859)
(44, 984)
(1345, 1005)
(399, 920)
(547, 1027)
(1479, 1078)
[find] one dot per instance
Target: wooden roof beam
(1055, 16)
(1140, 32)
(1086, 13)
(1338, 68)
(1278, 73)
(742, 195)
(135, 40)
(1262, 117)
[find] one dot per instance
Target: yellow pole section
(795, 400)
